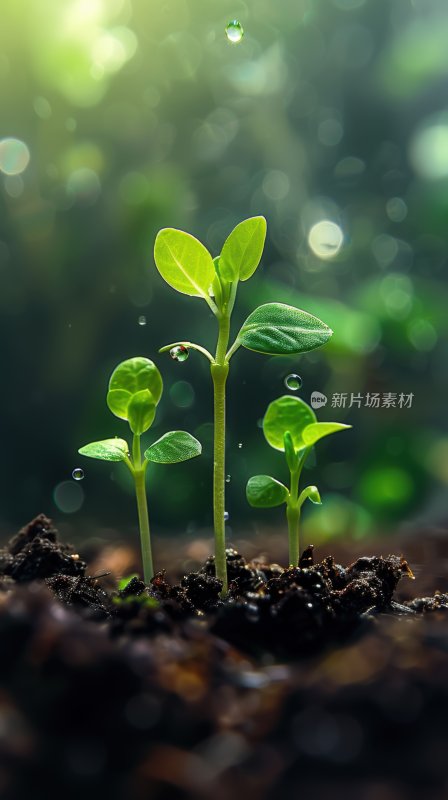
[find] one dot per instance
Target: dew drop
(142, 320)
(234, 31)
(293, 382)
(228, 478)
(240, 444)
(179, 353)
(78, 474)
(226, 516)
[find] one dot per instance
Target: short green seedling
(273, 328)
(290, 425)
(135, 389)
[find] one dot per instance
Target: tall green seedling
(273, 328)
(135, 390)
(290, 425)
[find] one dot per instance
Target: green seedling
(290, 425)
(135, 390)
(273, 328)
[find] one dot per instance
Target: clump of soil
(285, 612)
(311, 681)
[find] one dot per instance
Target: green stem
(293, 509)
(139, 472)
(219, 371)
(293, 518)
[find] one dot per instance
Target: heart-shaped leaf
(262, 491)
(141, 411)
(277, 329)
(173, 447)
(243, 249)
(317, 430)
(290, 415)
(312, 493)
(106, 450)
(130, 377)
(184, 262)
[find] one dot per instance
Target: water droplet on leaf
(78, 474)
(142, 320)
(179, 353)
(240, 444)
(234, 31)
(293, 382)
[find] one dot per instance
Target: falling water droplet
(142, 320)
(293, 382)
(78, 474)
(240, 444)
(228, 478)
(234, 31)
(179, 353)
(226, 516)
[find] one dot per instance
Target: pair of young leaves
(289, 425)
(135, 389)
(187, 266)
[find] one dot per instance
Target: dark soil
(308, 682)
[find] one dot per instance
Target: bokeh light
(14, 156)
(325, 239)
(429, 151)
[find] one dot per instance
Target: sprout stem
(293, 517)
(293, 508)
(219, 371)
(139, 471)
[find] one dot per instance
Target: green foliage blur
(119, 117)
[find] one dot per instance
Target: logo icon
(318, 400)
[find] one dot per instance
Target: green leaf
(262, 491)
(317, 430)
(243, 249)
(292, 458)
(118, 401)
(173, 447)
(220, 288)
(312, 493)
(106, 450)
(290, 415)
(141, 411)
(184, 262)
(216, 288)
(132, 376)
(277, 329)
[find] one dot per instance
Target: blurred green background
(119, 117)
